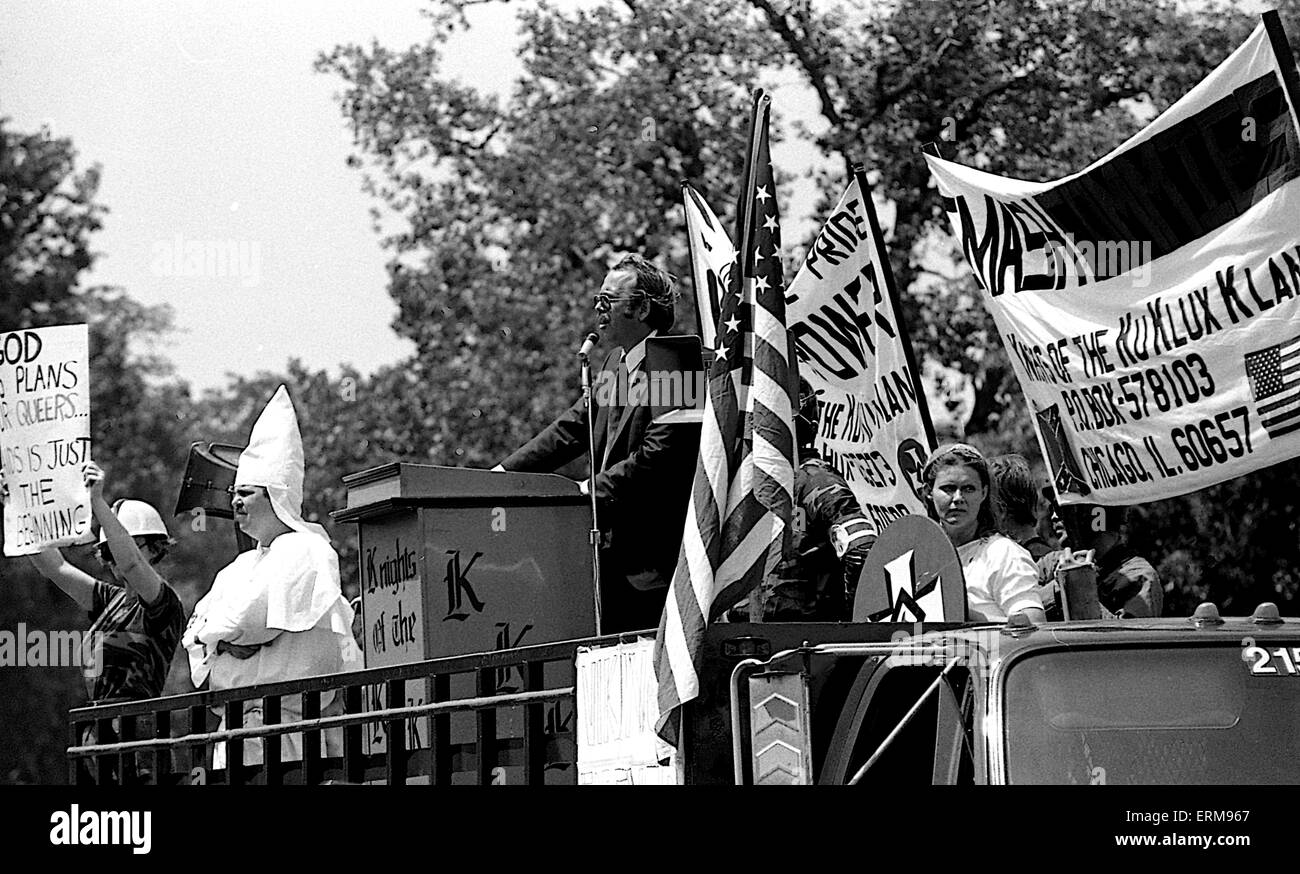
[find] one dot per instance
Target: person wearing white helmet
(136, 617)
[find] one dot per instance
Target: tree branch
(886, 97)
(487, 138)
(1103, 98)
(816, 68)
(981, 100)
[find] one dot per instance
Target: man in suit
(643, 468)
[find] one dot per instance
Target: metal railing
(499, 717)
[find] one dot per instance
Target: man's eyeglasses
(604, 301)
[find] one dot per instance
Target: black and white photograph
(675, 393)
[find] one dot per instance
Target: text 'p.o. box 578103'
(457, 561)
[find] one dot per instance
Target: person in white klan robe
(276, 612)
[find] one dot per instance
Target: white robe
(287, 594)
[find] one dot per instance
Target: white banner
(616, 708)
(45, 437)
(712, 258)
(1149, 302)
(850, 340)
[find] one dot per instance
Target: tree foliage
(514, 207)
(47, 213)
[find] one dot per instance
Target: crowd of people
(277, 611)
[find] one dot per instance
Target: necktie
(615, 411)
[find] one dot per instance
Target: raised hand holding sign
(44, 437)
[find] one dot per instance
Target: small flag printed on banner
(1275, 382)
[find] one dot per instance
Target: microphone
(588, 344)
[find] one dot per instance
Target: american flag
(1275, 382)
(744, 479)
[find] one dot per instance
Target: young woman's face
(958, 495)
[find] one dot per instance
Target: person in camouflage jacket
(817, 576)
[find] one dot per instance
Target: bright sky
(216, 137)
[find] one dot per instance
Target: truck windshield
(1187, 715)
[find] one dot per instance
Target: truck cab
(1197, 700)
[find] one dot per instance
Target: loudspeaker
(209, 480)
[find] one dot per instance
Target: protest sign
(45, 437)
(1149, 302)
(853, 349)
(615, 697)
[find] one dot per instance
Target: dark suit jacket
(643, 487)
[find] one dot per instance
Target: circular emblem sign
(912, 574)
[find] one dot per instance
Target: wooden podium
(457, 560)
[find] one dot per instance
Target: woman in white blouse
(1001, 577)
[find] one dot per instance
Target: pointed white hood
(274, 460)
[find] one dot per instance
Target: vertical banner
(853, 349)
(1150, 303)
(616, 711)
(45, 437)
(712, 258)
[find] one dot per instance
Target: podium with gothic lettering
(456, 560)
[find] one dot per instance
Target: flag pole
(701, 300)
(594, 534)
(891, 288)
(744, 240)
(1286, 64)
(745, 212)
(757, 124)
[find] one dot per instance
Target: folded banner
(1148, 303)
(843, 312)
(713, 256)
(45, 437)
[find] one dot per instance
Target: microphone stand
(594, 534)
